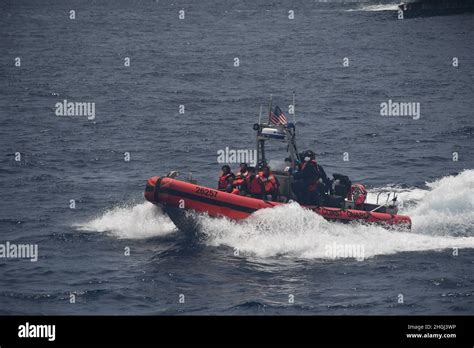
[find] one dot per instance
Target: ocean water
(276, 262)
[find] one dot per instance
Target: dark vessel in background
(417, 8)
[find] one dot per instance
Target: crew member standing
(311, 183)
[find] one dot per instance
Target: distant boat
(417, 8)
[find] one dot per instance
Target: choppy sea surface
(281, 265)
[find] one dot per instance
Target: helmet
(308, 155)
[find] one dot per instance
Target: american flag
(278, 117)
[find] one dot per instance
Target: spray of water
(138, 221)
(377, 8)
(442, 215)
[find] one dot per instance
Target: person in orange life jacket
(311, 183)
(226, 179)
(242, 174)
(239, 181)
(358, 195)
(254, 184)
(270, 183)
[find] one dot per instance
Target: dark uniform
(310, 183)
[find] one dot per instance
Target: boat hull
(174, 194)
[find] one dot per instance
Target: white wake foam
(443, 217)
(139, 221)
(377, 8)
(446, 207)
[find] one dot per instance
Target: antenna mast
(294, 108)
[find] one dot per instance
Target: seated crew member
(239, 181)
(310, 183)
(254, 184)
(226, 179)
(270, 182)
(243, 171)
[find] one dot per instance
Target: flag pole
(260, 115)
(293, 140)
(270, 108)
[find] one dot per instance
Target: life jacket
(358, 194)
(270, 182)
(254, 185)
(313, 184)
(224, 181)
(240, 178)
